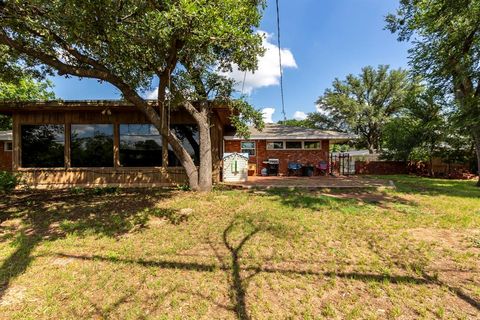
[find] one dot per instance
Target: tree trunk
(205, 171)
(371, 149)
(476, 138)
(185, 159)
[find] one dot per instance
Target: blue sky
(321, 40)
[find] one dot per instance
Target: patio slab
(317, 182)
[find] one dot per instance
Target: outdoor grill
(272, 166)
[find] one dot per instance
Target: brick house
(6, 147)
(284, 144)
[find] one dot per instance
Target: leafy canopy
(363, 104)
(446, 48)
(26, 89)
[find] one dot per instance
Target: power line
(280, 61)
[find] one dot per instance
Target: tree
(419, 131)
(446, 50)
(363, 104)
(316, 120)
(186, 44)
(26, 89)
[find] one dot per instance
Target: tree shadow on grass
(343, 200)
(49, 215)
(239, 283)
(235, 238)
(434, 187)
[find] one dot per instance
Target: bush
(8, 181)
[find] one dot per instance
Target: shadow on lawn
(338, 199)
(433, 186)
(49, 215)
(236, 236)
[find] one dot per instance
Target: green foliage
(8, 181)
(316, 120)
(243, 115)
(189, 45)
(24, 89)
(363, 104)
(420, 128)
(446, 51)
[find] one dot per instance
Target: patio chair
(294, 169)
(322, 167)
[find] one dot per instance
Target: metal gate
(342, 164)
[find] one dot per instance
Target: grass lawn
(408, 253)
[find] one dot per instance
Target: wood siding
(116, 175)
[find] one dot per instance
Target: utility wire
(280, 61)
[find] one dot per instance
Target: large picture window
(43, 146)
(140, 145)
(190, 139)
(92, 145)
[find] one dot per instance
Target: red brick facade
(5, 158)
(285, 156)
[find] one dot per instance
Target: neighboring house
(278, 145)
(66, 143)
(6, 150)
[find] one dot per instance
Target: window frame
(113, 125)
(7, 143)
(123, 165)
(276, 141)
(254, 148)
(295, 141)
(314, 141)
(284, 144)
(21, 164)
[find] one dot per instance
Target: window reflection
(140, 145)
(92, 145)
(190, 139)
(43, 146)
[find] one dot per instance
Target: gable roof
(283, 132)
(240, 155)
(6, 135)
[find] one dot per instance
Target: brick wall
(5, 158)
(381, 167)
(285, 156)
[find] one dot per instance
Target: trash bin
(308, 170)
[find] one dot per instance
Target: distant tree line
(431, 110)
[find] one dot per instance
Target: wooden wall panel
(131, 177)
(67, 177)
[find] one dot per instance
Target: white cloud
(299, 115)
(152, 95)
(267, 114)
(268, 72)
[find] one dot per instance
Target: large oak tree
(363, 104)
(446, 50)
(186, 44)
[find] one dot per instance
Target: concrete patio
(316, 182)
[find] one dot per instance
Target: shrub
(8, 181)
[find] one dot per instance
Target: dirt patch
(447, 238)
(13, 295)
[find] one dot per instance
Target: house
(278, 145)
(88, 143)
(6, 147)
